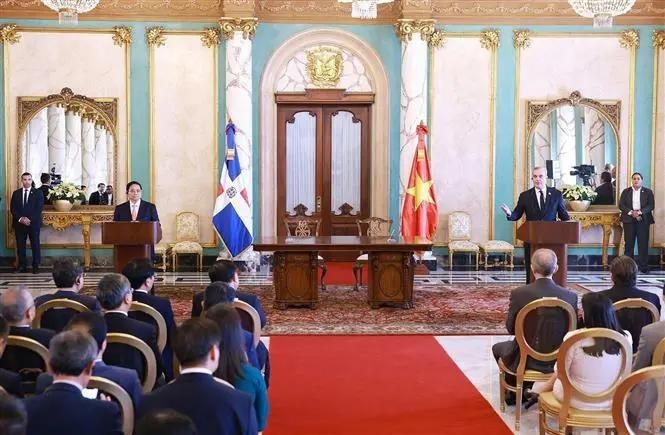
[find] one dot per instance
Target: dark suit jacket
(197, 304)
(646, 202)
(17, 359)
(97, 199)
(126, 378)
(215, 409)
(527, 203)
(120, 355)
(45, 191)
(57, 319)
(632, 320)
(11, 382)
(63, 410)
(549, 326)
(162, 305)
(32, 210)
(605, 194)
(147, 212)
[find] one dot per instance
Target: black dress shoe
(645, 271)
(21, 270)
(35, 269)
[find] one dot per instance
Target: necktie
(134, 212)
(541, 199)
(25, 197)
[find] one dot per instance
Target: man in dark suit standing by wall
(99, 197)
(636, 204)
(540, 203)
(26, 206)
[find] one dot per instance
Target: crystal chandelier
(68, 10)
(601, 11)
(364, 9)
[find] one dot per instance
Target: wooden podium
(130, 240)
(551, 235)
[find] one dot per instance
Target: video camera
(585, 172)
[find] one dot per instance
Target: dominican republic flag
(232, 216)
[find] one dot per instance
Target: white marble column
(101, 158)
(36, 146)
(73, 159)
(56, 138)
(89, 167)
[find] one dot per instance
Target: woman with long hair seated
(233, 365)
(593, 364)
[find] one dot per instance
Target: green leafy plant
(65, 191)
(578, 193)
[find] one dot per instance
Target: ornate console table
(604, 218)
(85, 216)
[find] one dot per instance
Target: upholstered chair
(307, 226)
(187, 238)
(459, 236)
(370, 227)
(498, 247)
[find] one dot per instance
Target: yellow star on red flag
(421, 191)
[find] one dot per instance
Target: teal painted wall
(382, 39)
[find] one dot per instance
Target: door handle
(318, 204)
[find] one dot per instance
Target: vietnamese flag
(420, 216)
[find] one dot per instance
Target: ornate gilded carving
(521, 38)
(437, 39)
(122, 35)
(154, 36)
(405, 28)
(211, 37)
(9, 34)
(324, 66)
(606, 220)
(230, 25)
(489, 39)
(659, 39)
(630, 38)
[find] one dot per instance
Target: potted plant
(63, 196)
(578, 197)
(80, 199)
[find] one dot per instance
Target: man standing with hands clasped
(27, 204)
(636, 204)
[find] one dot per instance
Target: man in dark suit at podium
(136, 209)
(26, 206)
(540, 203)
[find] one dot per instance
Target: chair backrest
(636, 304)
(302, 226)
(118, 395)
(187, 227)
(30, 345)
(249, 319)
(525, 348)
(150, 375)
(571, 390)
(374, 227)
(157, 319)
(658, 357)
(56, 304)
(634, 314)
(459, 226)
(619, 414)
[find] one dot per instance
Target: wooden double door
(323, 164)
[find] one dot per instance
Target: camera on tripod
(585, 172)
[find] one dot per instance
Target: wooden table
(295, 273)
(605, 219)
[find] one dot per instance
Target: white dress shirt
(541, 192)
(636, 199)
(196, 370)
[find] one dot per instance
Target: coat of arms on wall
(324, 66)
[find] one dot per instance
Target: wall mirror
(70, 136)
(578, 140)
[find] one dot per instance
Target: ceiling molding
(530, 12)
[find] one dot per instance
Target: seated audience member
(166, 422)
(215, 409)
(62, 409)
(9, 381)
(552, 324)
(93, 324)
(233, 365)
(68, 278)
(115, 296)
(605, 191)
(141, 276)
(13, 418)
(592, 364)
(624, 276)
(221, 293)
(18, 309)
(99, 197)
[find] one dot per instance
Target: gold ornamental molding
(659, 39)
(122, 35)
(324, 66)
(230, 25)
(521, 38)
(211, 37)
(489, 39)
(405, 28)
(154, 36)
(437, 39)
(9, 34)
(630, 38)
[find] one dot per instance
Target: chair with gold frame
(118, 395)
(459, 236)
(156, 318)
(32, 346)
(523, 374)
(150, 374)
(187, 238)
(249, 319)
(370, 227)
(306, 226)
(619, 415)
(568, 416)
(498, 247)
(164, 250)
(636, 304)
(658, 417)
(56, 304)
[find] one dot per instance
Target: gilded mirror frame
(103, 110)
(609, 110)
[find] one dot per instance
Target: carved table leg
(85, 229)
(607, 230)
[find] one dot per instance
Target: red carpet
(394, 385)
(341, 272)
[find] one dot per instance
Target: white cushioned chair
(459, 236)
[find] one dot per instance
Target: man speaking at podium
(540, 203)
(136, 210)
